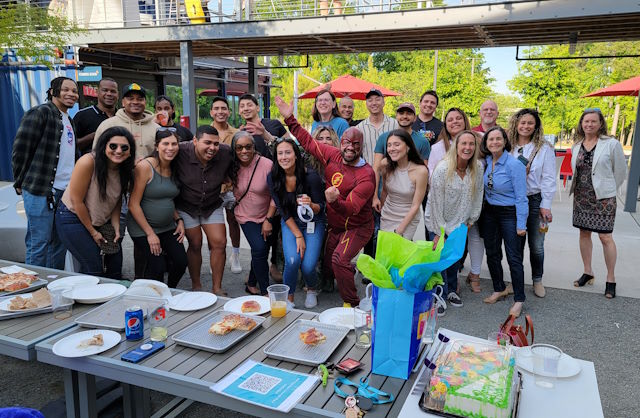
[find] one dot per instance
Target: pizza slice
(96, 340)
(312, 337)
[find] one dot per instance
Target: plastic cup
(545, 364)
(278, 299)
(362, 322)
(499, 338)
(62, 307)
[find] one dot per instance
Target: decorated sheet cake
(473, 380)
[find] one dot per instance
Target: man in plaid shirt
(44, 153)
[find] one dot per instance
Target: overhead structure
(512, 23)
(629, 87)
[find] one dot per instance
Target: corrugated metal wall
(21, 88)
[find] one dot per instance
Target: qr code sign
(260, 383)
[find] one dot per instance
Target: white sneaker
(311, 300)
(235, 263)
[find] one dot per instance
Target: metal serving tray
(111, 314)
(287, 346)
(17, 314)
(37, 284)
(197, 334)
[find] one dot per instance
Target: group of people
(319, 195)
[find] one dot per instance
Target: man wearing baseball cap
(134, 117)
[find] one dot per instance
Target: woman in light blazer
(599, 168)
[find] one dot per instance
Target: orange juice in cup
(278, 299)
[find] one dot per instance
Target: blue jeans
(499, 224)
(78, 241)
(292, 261)
(259, 273)
(44, 248)
(535, 238)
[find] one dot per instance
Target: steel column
(631, 198)
(188, 84)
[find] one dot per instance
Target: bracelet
(299, 237)
(178, 220)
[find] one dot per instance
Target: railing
(98, 14)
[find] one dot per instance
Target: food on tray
(470, 382)
(38, 299)
(250, 306)
(312, 337)
(97, 340)
(16, 281)
(231, 322)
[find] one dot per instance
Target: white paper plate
(153, 289)
(68, 346)
(235, 305)
(567, 366)
(147, 282)
(17, 269)
(337, 316)
(192, 301)
(4, 305)
(96, 293)
(73, 281)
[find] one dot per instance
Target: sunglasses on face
(123, 147)
(247, 147)
(164, 128)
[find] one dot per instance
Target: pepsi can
(134, 323)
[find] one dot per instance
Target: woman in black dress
(599, 168)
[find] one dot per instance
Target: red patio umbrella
(348, 85)
(629, 87)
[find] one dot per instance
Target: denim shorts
(216, 217)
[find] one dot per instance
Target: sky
(502, 65)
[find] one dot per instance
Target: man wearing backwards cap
(349, 213)
(406, 116)
(135, 118)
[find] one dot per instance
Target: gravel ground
(584, 325)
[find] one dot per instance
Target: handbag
(232, 205)
(109, 234)
(517, 336)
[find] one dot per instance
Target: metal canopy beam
(495, 24)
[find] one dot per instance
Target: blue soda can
(134, 323)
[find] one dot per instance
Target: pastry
(250, 306)
(231, 322)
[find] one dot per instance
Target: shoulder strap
(250, 179)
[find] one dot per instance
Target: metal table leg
(71, 394)
(87, 395)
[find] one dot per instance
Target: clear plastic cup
(61, 306)
(362, 321)
(278, 299)
(158, 322)
(545, 364)
(499, 338)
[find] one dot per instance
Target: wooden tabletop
(188, 372)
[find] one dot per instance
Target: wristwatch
(270, 220)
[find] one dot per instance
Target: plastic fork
(430, 365)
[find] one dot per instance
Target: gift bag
(399, 320)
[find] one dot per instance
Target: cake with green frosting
(473, 382)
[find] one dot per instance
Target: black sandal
(584, 279)
(610, 290)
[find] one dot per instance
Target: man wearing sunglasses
(134, 117)
(349, 195)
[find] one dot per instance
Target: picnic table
(188, 373)
(19, 336)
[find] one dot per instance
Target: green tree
(33, 31)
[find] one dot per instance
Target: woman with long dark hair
(299, 195)
(153, 221)
(325, 112)
(404, 179)
(254, 208)
(504, 217)
(531, 149)
(88, 216)
(599, 169)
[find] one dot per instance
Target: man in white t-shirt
(44, 153)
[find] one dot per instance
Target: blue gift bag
(399, 321)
